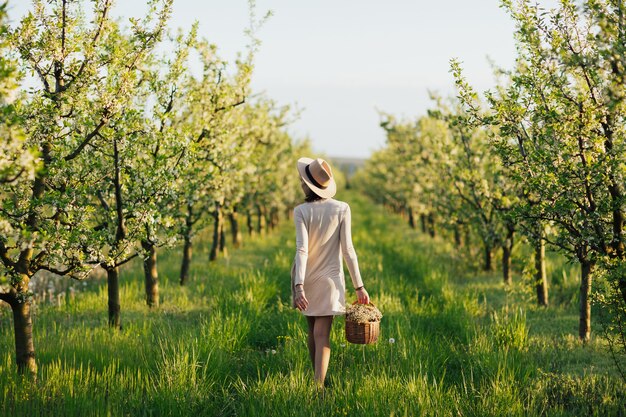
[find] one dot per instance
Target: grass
(228, 344)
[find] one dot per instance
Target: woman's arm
(302, 254)
(302, 246)
(349, 255)
(347, 248)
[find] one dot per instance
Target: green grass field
(228, 344)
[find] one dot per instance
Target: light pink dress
(323, 235)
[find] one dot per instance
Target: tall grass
(228, 344)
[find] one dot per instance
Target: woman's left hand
(362, 296)
(300, 299)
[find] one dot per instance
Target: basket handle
(369, 304)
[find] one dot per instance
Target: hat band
(315, 183)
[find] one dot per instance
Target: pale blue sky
(341, 61)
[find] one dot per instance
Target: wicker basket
(362, 333)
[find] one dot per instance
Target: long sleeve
(302, 247)
(349, 254)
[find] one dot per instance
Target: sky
(343, 62)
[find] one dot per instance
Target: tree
(410, 159)
(270, 186)
(17, 169)
(212, 98)
(561, 123)
(441, 163)
(164, 154)
(123, 202)
(49, 223)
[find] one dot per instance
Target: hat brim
(327, 192)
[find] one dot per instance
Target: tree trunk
(217, 232)
(223, 248)
(411, 217)
(423, 223)
(151, 274)
(270, 219)
(113, 284)
(260, 219)
(23, 328)
(584, 327)
(541, 279)
(184, 268)
(113, 273)
(18, 298)
(234, 229)
(250, 223)
(274, 218)
(488, 265)
(616, 192)
(458, 242)
(507, 248)
(431, 225)
(506, 264)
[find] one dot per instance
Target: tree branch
(230, 106)
(130, 258)
(11, 179)
(103, 202)
(86, 141)
(96, 37)
(61, 272)
(202, 135)
(42, 76)
(7, 297)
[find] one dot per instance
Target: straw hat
(316, 173)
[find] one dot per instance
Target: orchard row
(112, 147)
(542, 157)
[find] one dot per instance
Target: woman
(322, 235)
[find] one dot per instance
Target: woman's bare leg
(321, 335)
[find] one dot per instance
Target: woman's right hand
(362, 296)
(300, 300)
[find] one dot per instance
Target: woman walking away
(323, 235)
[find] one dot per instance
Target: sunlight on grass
(229, 344)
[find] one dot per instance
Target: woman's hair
(310, 196)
